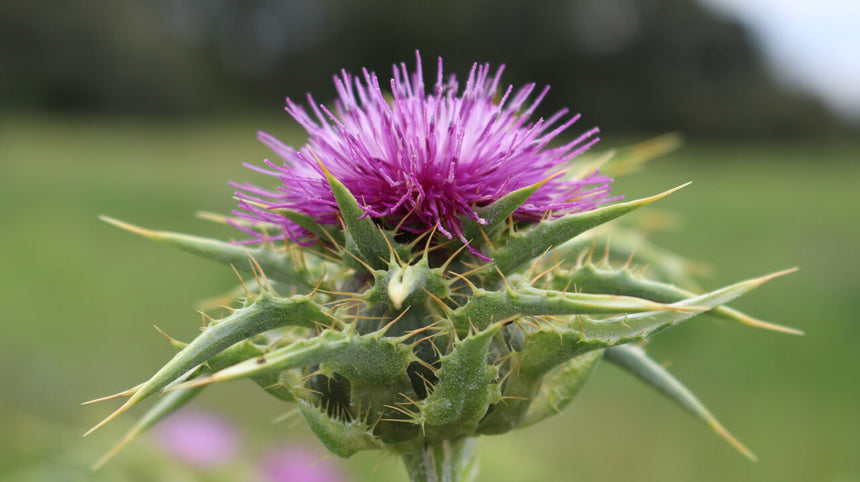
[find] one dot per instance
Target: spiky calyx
(414, 344)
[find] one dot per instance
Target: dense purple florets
(424, 160)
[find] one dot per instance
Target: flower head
(424, 160)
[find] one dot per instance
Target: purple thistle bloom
(424, 160)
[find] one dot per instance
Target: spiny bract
(424, 275)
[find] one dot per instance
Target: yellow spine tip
(147, 233)
(112, 416)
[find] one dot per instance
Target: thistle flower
(392, 335)
(421, 160)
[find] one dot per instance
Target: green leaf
(466, 388)
(276, 266)
(590, 279)
(551, 345)
(343, 438)
(367, 358)
(265, 313)
(363, 238)
(163, 407)
(174, 400)
(560, 385)
(498, 211)
(522, 247)
(624, 244)
(486, 307)
(324, 347)
(635, 361)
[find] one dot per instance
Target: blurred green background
(775, 185)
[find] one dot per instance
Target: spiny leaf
(341, 437)
(362, 234)
(591, 279)
(367, 357)
(163, 407)
(175, 399)
(499, 210)
(522, 247)
(560, 386)
(634, 360)
(625, 244)
(486, 307)
(465, 389)
(265, 313)
(551, 345)
(276, 266)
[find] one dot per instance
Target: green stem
(445, 461)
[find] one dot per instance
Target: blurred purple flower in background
(198, 438)
(294, 463)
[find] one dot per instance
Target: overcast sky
(809, 44)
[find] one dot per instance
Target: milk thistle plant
(424, 274)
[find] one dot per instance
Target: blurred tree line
(643, 65)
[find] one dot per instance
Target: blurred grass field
(79, 299)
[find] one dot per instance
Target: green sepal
(276, 266)
(486, 307)
(265, 313)
(524, 246)
(560, 385)
(343, 438)
(364, 239)
(465, 390)
(551, 345)
(591, 279)
(634, 360)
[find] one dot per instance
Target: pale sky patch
(809, 44)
